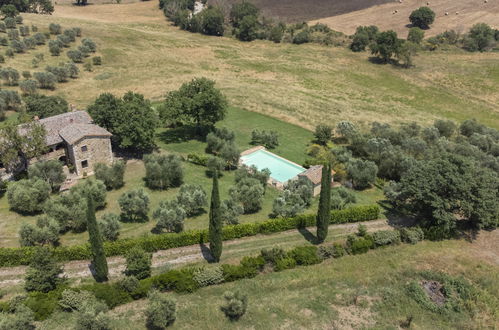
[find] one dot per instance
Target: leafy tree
(9, 100)
(341, 197)
(138, 263)
(28, 86)
(109, 226)
(197, 102)
(170, 217)
(75, 55)
(92, 315)
(276, 33)
(46, 80)
(450, 188)
(28, 196)
(269, 139)
(302, 37)
(10, 22)
(60, 72)
(416, 35)
(134, 205)
(215, 165)
(212, 21)
(362, 173)
(363, 36)
(346, 130)
(50, 171)
(480, 37)
(22, 319)
(39, 38)
(323, 134)
(10, 76)
(235, 305)
(324, 212)
(218, 138)
(216, 224)
(249, 192)
(55, 47)
(55, 29)
(385, 45)
(161, 311)
(46, 231)
(296, 196)
(69, 210)
(192, 198)
(131, 120)
(90, 44)
(241, 10)
(91, 188)
(230, 154)
(422, 17)
(253, 172)
(43, 272)
(112, 176)
(247, 28)
(230, 211)
(9, 11)
(17, 147)
(163, 171)
(406, 52)
(99, 261)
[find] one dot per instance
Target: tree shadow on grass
(181, 134)
(308, 235)
(205, 251)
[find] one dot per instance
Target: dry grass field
(462, 14)
(304, 84)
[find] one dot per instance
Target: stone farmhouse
(73, 139)
(76, 141)
(314, 175)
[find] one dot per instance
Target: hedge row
(153, 243)
(183, 280)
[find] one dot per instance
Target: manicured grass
(363, 291)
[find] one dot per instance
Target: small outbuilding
(314, 175)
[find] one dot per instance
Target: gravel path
(178, 256)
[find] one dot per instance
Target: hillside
(462, 14)
(304, 84)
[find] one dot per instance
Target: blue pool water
(280, 169)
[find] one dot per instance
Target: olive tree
(170, 217)
(161, 311)
(163, 171)
(28, 196)
(50, 171)
(192, 198)
(109, 226)
(422, 17)
(134, 205)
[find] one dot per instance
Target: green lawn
(293, 142)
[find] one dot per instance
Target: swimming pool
(280, 169)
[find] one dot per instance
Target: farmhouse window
(84, 164)
(84, 148)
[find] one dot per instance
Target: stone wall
(98, 150)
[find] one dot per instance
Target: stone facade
(89, 151)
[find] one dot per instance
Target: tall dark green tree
(324, 212)
(215, 229)
(99, 261)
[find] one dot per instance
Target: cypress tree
(324, 212)
(99, 261)
(215, 229)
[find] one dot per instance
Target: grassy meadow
(304, 85)
(363, 291)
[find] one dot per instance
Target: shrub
(134, 205)
(72, 300)
(60, 72)
(63, 41)
(138, 263)
(3, 28)
(19, 19)
(71, 34)
(129, 284)
(480, 37)
(55, 28)
(284, 263)
(112, 176)
(323, 134)
(75, 55)
(21, 319)
(411, 235)
(301, 37)
(271, 256)
(10, 76)
(268, 139)
(192, 198)
(13, 35)
(198, 159)
(230, 211)
(89, 44)
(422, 17)
(305, 255)
(247, 29)
(256, 263)
(72, 69)
(34, 28)
(84, 50)
(206, 276)
(111, 294)
(235, 305)
(341, 197)
(178, 280)
(163, 171)
(39, 38)
(331, 251)
(170, 217)
(43, 272)
(161, 311)
(359, 245)
(92, 316)
(28, 87)
(386, 237)
(96, 60)
(28, 196)
(4, 41)
(77, 31)
(46, 80)
(24, 31)
(235, 272)
(9, 52)
(294, 199)
(109, 226)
